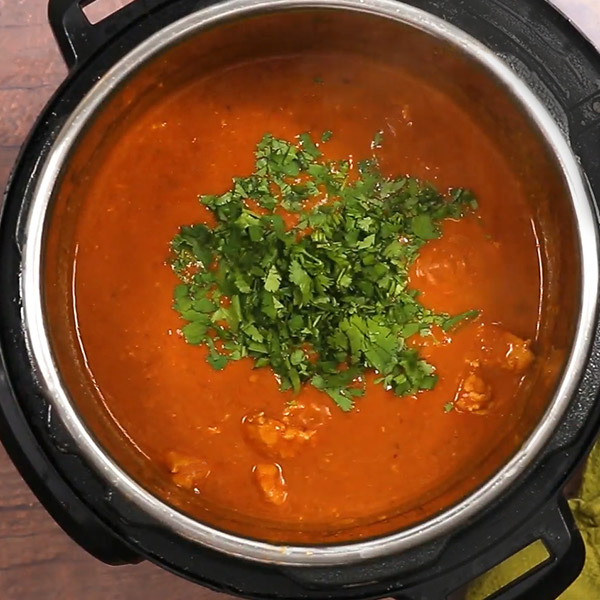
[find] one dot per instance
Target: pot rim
(298, 555)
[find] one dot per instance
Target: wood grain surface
(38, 561)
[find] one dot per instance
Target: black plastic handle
(551, 578)
(78, 39)
(556, 528)
(58, 498)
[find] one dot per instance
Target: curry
(245, 434)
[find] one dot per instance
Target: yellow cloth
(586, 510)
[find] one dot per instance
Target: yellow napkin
(586, 510)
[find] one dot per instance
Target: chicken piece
(271, 482)
(187, 472)
(307, 416)
(474, 394)
(497, 351)
(504, 349)
(274, 437)
(518, 356)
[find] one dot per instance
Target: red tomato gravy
(388, 456)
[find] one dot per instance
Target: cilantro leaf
(217, 361)
(452, 322)
(194, 332)
(272, 280)
(423, 227)
(377, 140)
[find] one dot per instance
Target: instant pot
(544, 64)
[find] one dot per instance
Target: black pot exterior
(563, 68)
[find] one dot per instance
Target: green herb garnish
(325, 299)
(326, 136)
(377, 140)
(451, 322)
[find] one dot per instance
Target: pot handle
(37, 469)
(78, 39)
(556, 528)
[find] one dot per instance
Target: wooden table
(38, 561)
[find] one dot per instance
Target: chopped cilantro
(448, 407)
(377, 140)
(424, 227)
(327, 299)
(450, 323)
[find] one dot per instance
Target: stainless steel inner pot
(572, 272)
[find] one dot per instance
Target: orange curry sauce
(225, 436)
